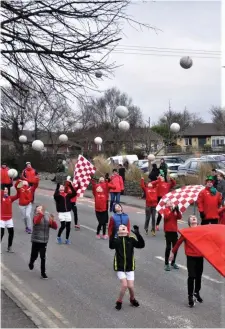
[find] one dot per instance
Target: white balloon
(98, 74)
(38, 145)
(175, 127)
(98, 140)
(122, 112)
(13, 173)
(151, 157)
(23, 139)
(124, 125)
(186, 62)
(63, 138)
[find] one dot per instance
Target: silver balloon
(186, 62)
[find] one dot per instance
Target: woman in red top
(194, 265)
(171, 215)
(6, 181)
(6, 216)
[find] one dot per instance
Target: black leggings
(171, 238)
(102, 221)
(10, 237)
(64, 225)
(38, 248)
(74, 208)
(195, 270)
(159, 215)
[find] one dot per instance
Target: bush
(199, 179)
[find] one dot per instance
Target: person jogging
(209, 201)
(25, 202)
(6, 216)
(42, 222)
(124, 263)
(150, 205)
(194, 265)
(117, 219)
(64, 207)
(171, 215)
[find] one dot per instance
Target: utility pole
(148, 140)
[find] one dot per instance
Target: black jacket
(154, 174)
(63, 203)
(124, 257)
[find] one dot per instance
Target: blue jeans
(115, 198)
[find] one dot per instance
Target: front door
(201, 142)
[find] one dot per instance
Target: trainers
(167, 268)
(118, 306)
(191, 302)
(31, 266)
(77, 227)
(29, 231)
(26, 229)
(67, 241)
(44, 276)
(105, 237)
(134, 302)
(146, 232)
(10, 250)
(59, 240)
(175, 266)
(98, 236)
(198, 297)
(153, 232)
(157, 227)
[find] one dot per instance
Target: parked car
(182, 169)
(140, 163)
(172, 162)
(193, 166)
(120, 159)
(216, 157)
(173, 159)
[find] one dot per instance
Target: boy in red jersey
(6, 216)
(171, 215)
(194, 265)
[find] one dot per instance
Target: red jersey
(170, 220)
(189, 249)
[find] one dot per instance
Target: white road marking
(185, 268)
(88, 228)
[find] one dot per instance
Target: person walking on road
(117, 219)
(6, 216)
(209, 201)
(124, 263)
(171, 215)
(26, 196)
(64, 207)
(194, 265)
(6, 181)
(150, 206)
(117, 181)
(42, 222)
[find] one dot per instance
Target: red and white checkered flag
(182, 197)
(82, 174)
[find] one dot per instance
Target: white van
(120, 159)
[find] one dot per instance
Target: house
(50, 140)
(203, 135)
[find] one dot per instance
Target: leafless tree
(218, 117)
(63, 43)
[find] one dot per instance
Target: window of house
(187, 141)
(218, 141)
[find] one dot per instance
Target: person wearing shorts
(64, 207)
(6, 220)
(124, 263)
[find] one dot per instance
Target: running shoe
(77, 227)
(10, 250)
(59, 240)
(191, 301)
(105, 237)
(157, 227)
(153, 233)
(44, 276)
(67, 241)
(31, 266)
(134, 302)
(118, 306)
(98, 236)
(167, 268)
(29, 231)
(26, 229)
(175, 266)
(146, 232)
(198, 297)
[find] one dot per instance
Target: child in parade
(150, 206)
(100, 210)
(64, 207)
(42, 222)
(73, 200)
(6, 216)
(117, 181)
(171, 215)
(117, 219)
(194, 265)
(124, 263)
(6, 181)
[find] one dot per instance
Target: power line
(158, 55)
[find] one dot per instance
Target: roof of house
(204, 129)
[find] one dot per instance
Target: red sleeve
(38, 218)
(179, 215)
(143, 184)
(200, 202)
(172, 183)
(110, 186)
(111, 226)
(221, 210)
(53, 224)
(155, 183)
(177, 245)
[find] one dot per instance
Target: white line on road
(88, 228)
(185, 268)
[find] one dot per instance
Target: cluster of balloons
(38, 145)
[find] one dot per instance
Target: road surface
(82, 286)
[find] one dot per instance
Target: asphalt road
(82, 286)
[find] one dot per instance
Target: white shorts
(126, 275)
(6, 223)
(65, 216)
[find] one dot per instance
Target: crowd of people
(210, 205)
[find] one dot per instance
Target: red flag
(209, 240)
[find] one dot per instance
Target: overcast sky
(152, 80)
